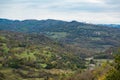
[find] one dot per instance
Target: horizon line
(60, 20)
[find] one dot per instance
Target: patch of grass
(58, 35)
(59, 71)
(27, 56)
(95, 38)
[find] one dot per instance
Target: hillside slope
(34, 56)
(95, 38)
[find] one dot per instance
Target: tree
(114, 74)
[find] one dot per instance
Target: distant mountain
(82, 36)
(111, 25)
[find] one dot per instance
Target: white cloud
(93, 11)
(83, 1)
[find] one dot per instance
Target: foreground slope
(31, 56)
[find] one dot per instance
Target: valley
(57, 50)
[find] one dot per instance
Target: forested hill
(35, 50)
(78, 34)
(34, 56)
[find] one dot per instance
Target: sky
(90, 11)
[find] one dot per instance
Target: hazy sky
(92, 11)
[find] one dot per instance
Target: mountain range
(91, 37)
(111, 25)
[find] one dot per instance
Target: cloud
(94, 11)
(112, 1)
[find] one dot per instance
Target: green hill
(56, 50)
(35, 56)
